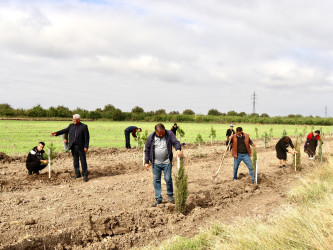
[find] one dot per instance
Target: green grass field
(18, 137)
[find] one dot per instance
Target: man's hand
(54, 133)
(65, 141)
(147, 166)
(85, 150)
(44, 161)
(179, 153)
(253, 145)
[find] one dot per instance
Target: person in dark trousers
(241, 151)
(35, 159)
(174, 128)
(131, 130)
(281, 150)
(78, 143)
(158, 151)
(312, 143)
(230, 132)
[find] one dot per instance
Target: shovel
(217, 172)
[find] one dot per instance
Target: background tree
(232, 113)
(242, 114)
(137, 110)
(6, 110)
(160, 112)
(94, 115)
(188, 112)
(264, 115)
(174, 113)
(118, 115)
(82, 112)
(214, 112)
(181, 184)
(36, 111)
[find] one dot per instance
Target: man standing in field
(78, 143)
(158, 151)
(35, 161)
(241, 151)
(131, 130)
(230, 132)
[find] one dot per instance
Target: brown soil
(114, 208)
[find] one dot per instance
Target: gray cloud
(168, 54)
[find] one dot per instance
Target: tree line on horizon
(110, 112)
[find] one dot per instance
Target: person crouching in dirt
(128, 131)
(281, 150)
(241, 151)
(312, 143)
(230, 132)
(158, 151)
(35, 159)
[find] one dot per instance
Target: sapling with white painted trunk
(199, 140)
(212, 134)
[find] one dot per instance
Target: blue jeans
(157, 173)
(247, 160)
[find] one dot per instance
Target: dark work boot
(29, 172)
(157, 202)
(85, 178)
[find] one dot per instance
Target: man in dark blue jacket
(158, 151)
(131, 130)
(78, 143)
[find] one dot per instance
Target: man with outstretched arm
(158, 151)
(131, 130)
(35, 161)
(241, 151)
(79, 143)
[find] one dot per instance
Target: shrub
(181, 193)
(118, 115)
(37, 111)
(94, 115)
(6, 110)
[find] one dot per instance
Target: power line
(254, 102)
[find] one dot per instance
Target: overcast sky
(173, 54)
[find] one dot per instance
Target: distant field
(18, 137)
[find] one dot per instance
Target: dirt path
(113, 209)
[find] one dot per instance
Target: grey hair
(77, 116)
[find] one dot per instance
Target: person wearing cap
(78, 143)
(131, 130)
(312, 143)
(174, 128)
(230, 132)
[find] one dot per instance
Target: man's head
(287, 139)
(76, 118)
(160, 130)
(239, 130)
(40, 146)
(139, 130)
(231, 127)
(175, 125)
(317, 132)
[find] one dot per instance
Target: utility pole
(326, 111)
(254, 102)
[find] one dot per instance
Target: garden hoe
(217, 172)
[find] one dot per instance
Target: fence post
(49, 163)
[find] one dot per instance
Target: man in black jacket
(78, 143)
(35, 159)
